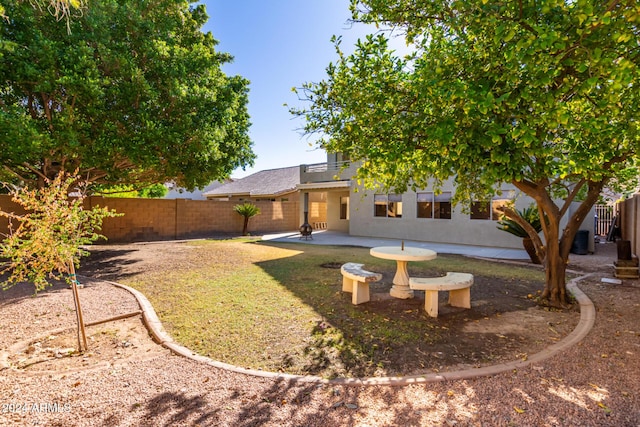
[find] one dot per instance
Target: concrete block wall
(274, 216)
(7, 205)
(163, 219)
(143, 219)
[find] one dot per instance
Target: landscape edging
(586, 322)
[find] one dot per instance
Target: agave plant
(531, 216)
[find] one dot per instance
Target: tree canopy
(541, 94)
(133, 93)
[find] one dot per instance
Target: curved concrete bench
(356, 280)
(458, 285)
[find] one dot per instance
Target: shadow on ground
(20, 291)
(109, 263)
(389, 336)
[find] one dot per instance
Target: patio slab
(327, 237)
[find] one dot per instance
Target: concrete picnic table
(402, 255)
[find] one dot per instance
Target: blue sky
(278, 45)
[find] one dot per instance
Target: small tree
(45, 243)
(543, 95)
(247, 210)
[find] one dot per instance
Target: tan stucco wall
(459, 229)
(630, 222)
(293, 196)
(333, 211)
(317, 209)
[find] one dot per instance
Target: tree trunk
(557, 245)
(555, 268)
(82, 336)
(245, 226)
(530, 247)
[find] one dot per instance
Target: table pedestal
(402, 255)
(400, 288)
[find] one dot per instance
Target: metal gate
(603, 220)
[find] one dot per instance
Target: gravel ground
(594, 383)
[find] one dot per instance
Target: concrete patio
(327, 237)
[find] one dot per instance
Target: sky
(278, 45)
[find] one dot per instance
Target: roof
(197, 194)
(265, 183)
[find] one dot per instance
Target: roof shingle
(265, 183)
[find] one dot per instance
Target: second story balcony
(326, 172)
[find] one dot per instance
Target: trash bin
(580, 244)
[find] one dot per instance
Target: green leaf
(509, 36)
(138, 93)
(561, 102)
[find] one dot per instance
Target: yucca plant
(247, 210)
(531, 216)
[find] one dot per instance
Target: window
(442, 205)
(434, 206)
(488, 210)
(395, 206)
(387, 205)
(425, 205)
(380, 205)
(480, 210)
(344, 207)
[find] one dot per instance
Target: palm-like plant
(531, 216)
(247, 210)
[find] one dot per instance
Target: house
(268, 185)
(176, 192)
(333, 180)
(420, 215)
(274, 185)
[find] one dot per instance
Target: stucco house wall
(293, 196)
(460, 229)
(335, 223)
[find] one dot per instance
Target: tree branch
(571, 196)
(533, 234)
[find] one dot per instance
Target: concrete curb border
(586, 322)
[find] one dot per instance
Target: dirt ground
(128, 380)
(504, 324)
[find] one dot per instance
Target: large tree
(542, 94)
(134, 92)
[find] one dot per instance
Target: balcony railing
(324, 167)
(322, 172)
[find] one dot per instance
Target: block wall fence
(163, 219)
(630, 222)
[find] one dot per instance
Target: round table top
(407, 254)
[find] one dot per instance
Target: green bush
(529, 214)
